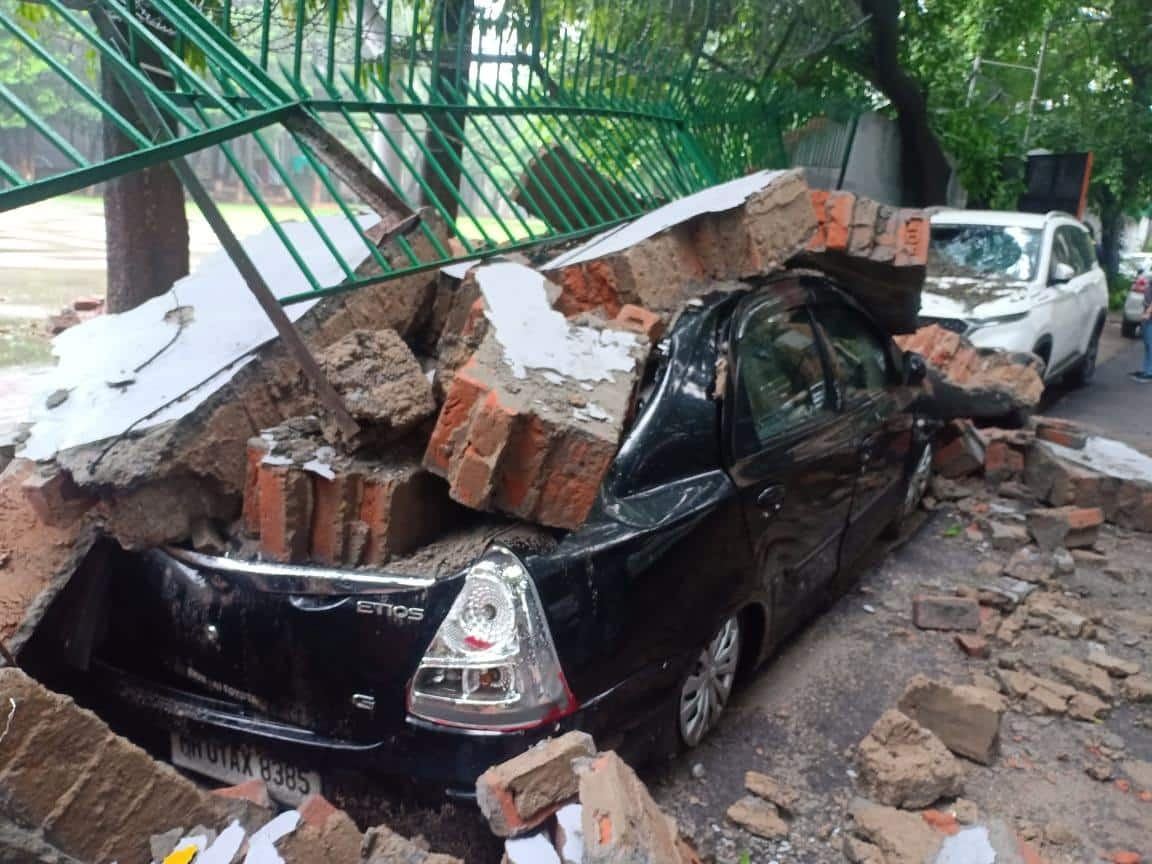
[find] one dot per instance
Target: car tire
(706, 687)
(1129, 329)
(1085, 371)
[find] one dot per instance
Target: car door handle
(770, 499)
(869, 446)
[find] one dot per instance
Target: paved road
(1114, 404)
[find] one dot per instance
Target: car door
(1066, 323)
(1092, 293)
(867, 380)
(792, 455)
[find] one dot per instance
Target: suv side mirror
(1061, 273)
(915, 368)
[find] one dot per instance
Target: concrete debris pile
(908, 761)
(482, 394)
(1079, 480)
(72, 791)
(975, 383)
(561, 801)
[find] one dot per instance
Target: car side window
(779, 377)
(1066, 249)
(859, 354)
(1086, 247)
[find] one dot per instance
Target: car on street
(1020, 282)
(1137, 266)
(777, 434)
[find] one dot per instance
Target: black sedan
(775, 438)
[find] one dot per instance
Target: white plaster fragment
(226, 327)
(970, 846)
(1107, 456)
(553, 378)
(715, 199)
(262, 845)
(592, 411)
(536, 336)
(568, 817)
(533, 849)
(271, 459)
(225, 847)
(320, 468)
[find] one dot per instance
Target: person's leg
(1146, 331)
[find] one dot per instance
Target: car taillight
(492, 663)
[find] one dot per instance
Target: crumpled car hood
(962, 297)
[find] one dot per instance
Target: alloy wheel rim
(919, 483)
(705, 693)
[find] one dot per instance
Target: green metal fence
(516, 122)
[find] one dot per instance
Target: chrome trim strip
(296, 579)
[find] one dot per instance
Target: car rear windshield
(984, 251)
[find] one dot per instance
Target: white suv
(1021, 282)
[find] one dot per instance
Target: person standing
(1144, 376)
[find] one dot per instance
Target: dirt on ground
(1075, 791)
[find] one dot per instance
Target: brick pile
(1056, 463)
(561, 800)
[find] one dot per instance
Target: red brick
(1126, 857)
(973, 646)
(285, 513)
(521, 466)
(838, 227)
(1062, 432)
(257, 450)
(1002, 462)
(476, 319)
(253, 790)
(944, 822)
(465, 392)
(316, 810)
(517, 795)
(336, 503)
(473, 479)
(912, 233)
(641, 320)
(819, 241)
(863, 237)
(491, 427)
(588, 286)
(1071, 527)
(576, 467)
(941, 612)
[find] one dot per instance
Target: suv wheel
(1128, 329)
(705, 691)
(1085, 370)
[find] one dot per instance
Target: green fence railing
(517, 122)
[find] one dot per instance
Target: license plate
(237, 763)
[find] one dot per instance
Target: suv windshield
(984, 251)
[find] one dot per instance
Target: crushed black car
(777, 435)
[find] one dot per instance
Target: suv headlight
(492, 663)
(977, 323)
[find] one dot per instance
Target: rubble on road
(944, 612)
(965, 718)
(975, 383)
(563, 801)
(902, 764)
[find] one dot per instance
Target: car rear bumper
(1133, 308)
(440, 761)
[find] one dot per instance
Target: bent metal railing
(516, 124)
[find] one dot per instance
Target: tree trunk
(443, 143)
(144, 221)
(924, 168)
(1111, 231)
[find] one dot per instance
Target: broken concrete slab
(533, 420)
(763, 786)
(758, 816)
(885, 835)
(970, 382)
(620, 821)
(904, 765)
(1114, 666)
(1067, 527)
(382, 383)
(1083, 676)
(62, 771)
(964, 717)
(521, 793)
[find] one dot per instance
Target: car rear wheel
(705, 691)
(1128, 329)
(1085, 370)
